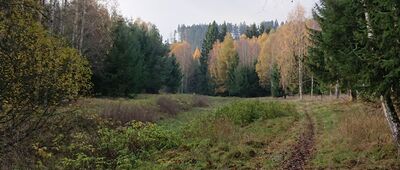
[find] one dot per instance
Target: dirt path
(301, 151)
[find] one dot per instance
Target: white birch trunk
(312, 85)
(82, 26)
(392, 118)
(75, 26)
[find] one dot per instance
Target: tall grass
(126, 112)
(246, 112)
(365, 128)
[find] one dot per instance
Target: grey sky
(168, 14)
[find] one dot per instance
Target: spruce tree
(381, 62)
(172, 74)
(332, 58)
(223, 32)
(359, 44)
(203, 85)
(276, 90)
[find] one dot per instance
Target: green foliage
(246, 83)
(38, 73)
(246, 112)
(223, 32)
(172, 74)
(332, 57)
(203, 86)
(381, 36)
(121, 148)
(253, 31)
(138, 62)
(276, 89)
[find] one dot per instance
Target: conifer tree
(172, 74)
(203, 85)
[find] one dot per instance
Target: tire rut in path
(302, 150)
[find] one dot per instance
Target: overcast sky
(168, 14)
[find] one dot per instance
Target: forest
(84, 87)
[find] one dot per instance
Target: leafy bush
(246, 112)
(39, 73)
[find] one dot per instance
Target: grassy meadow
(201, 132)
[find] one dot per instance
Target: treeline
(126, 57)
(258, 63)
(358, 47)
(195, 34)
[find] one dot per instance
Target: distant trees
(224, 67)
(195, 34)
(187, 60)
(246, 83)
(358, 46)
(287, 48)
(212, 36)
(232, 70)
(39, 73)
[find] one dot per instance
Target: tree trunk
(337, 93)
(353, 94)
(52, 6)
(312, 85)
(64, 10)
(75, 29)
(300, 77)
(60, 15)
(82, 26)
(392, 118)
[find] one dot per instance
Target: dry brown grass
(364, 128)
(169, 106)
(200, 101)
(126, 112)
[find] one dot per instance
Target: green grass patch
(246, 112)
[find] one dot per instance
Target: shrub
(125, 112)
(38, 73)
(168, 106)
(200, 101)
(246, 112)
